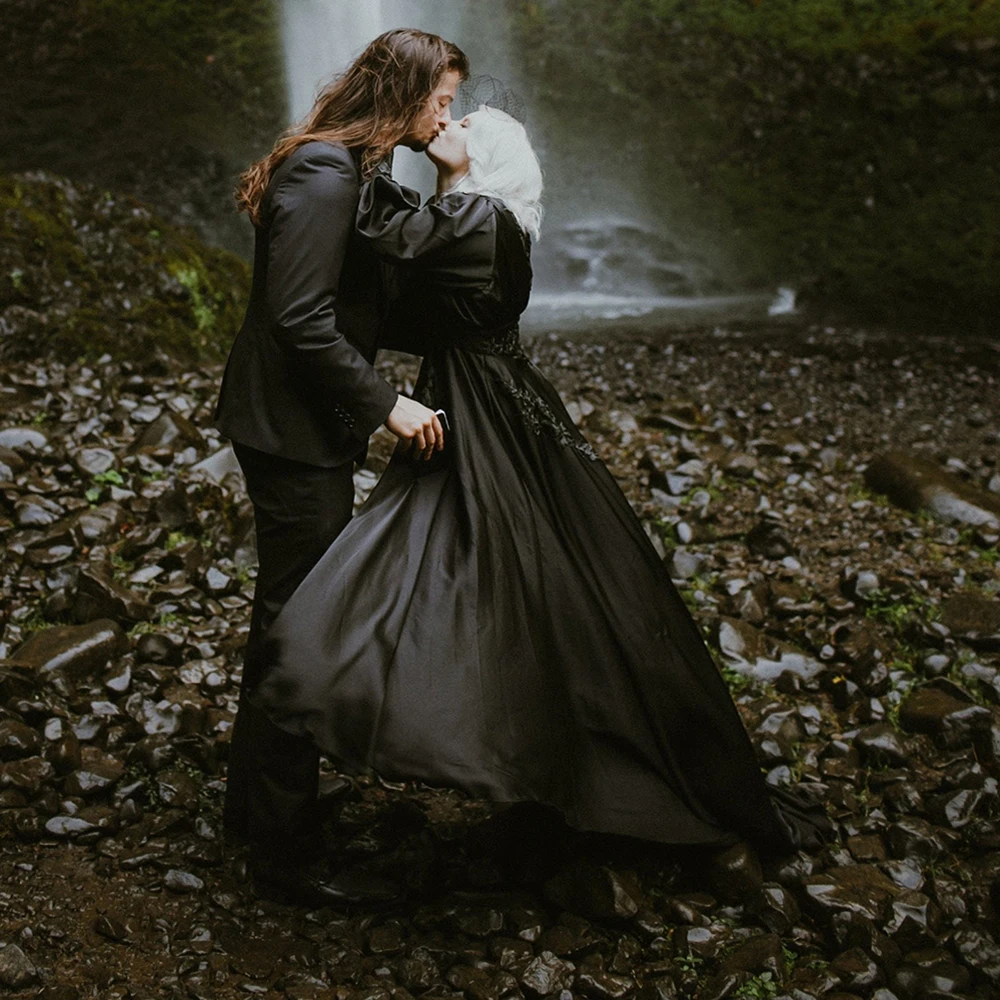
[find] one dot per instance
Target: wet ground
(860, 638)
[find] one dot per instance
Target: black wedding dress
(496, 619)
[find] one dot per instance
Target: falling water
(607, 252)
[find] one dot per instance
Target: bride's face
(449, 149)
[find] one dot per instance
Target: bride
(495, 618)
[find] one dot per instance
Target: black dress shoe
(314, 885)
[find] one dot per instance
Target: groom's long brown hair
(371, 106)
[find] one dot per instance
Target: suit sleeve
(311, 216)
(400, 230)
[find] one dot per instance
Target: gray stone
(16, 969)
(180, 881)
(169, 430)
(219, 465)
(23, 440)
(36, 512)
(69, 826)
(94, 461)
(684, 564)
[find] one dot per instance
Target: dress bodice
(462, 263)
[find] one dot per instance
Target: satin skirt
(496, 620)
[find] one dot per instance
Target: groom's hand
(416, 426)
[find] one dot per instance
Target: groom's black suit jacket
(299, 382)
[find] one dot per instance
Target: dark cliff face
(853, 153)
(167, 100)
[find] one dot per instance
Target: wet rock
(17, 740)
(748, 651)
(912, 837)
(182, 882)
(761, 953)
(601, 893)
(860, 889)
(100, 597)
(94, 461)
(775, 907)
(156, 647)
(419, 971)
(955, 809)
(593, 981)
(879, 745)
(16, 969)
(851, 931)
(479, 923)
(96, 777)
(481, 984)
(943, 978)
(767, 539)
(65, 753)
(219, 465)
(547, 975)
(80, 651)
(27, 774)
(906, 873)
(111, 927)
(856, 970)
(938, 713)
(980, 951)
(701, 942)
(178, 789)
(917, 484)
(168, 430)
(915, 920)
(735, 873)
(866, 847)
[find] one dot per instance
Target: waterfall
(320, 38)
(609, 249)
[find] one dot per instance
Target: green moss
(93, 280)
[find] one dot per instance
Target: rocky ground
(860, 635)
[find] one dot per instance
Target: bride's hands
(417, 426)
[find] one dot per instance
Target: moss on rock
(84, 272)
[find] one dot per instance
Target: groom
(300, 399)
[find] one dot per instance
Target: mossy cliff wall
(84, 272)
(848, 147)
(167, 100)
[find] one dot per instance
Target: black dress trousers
(272, 781)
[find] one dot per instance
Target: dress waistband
(503, 340)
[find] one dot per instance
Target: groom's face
(436, 115)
